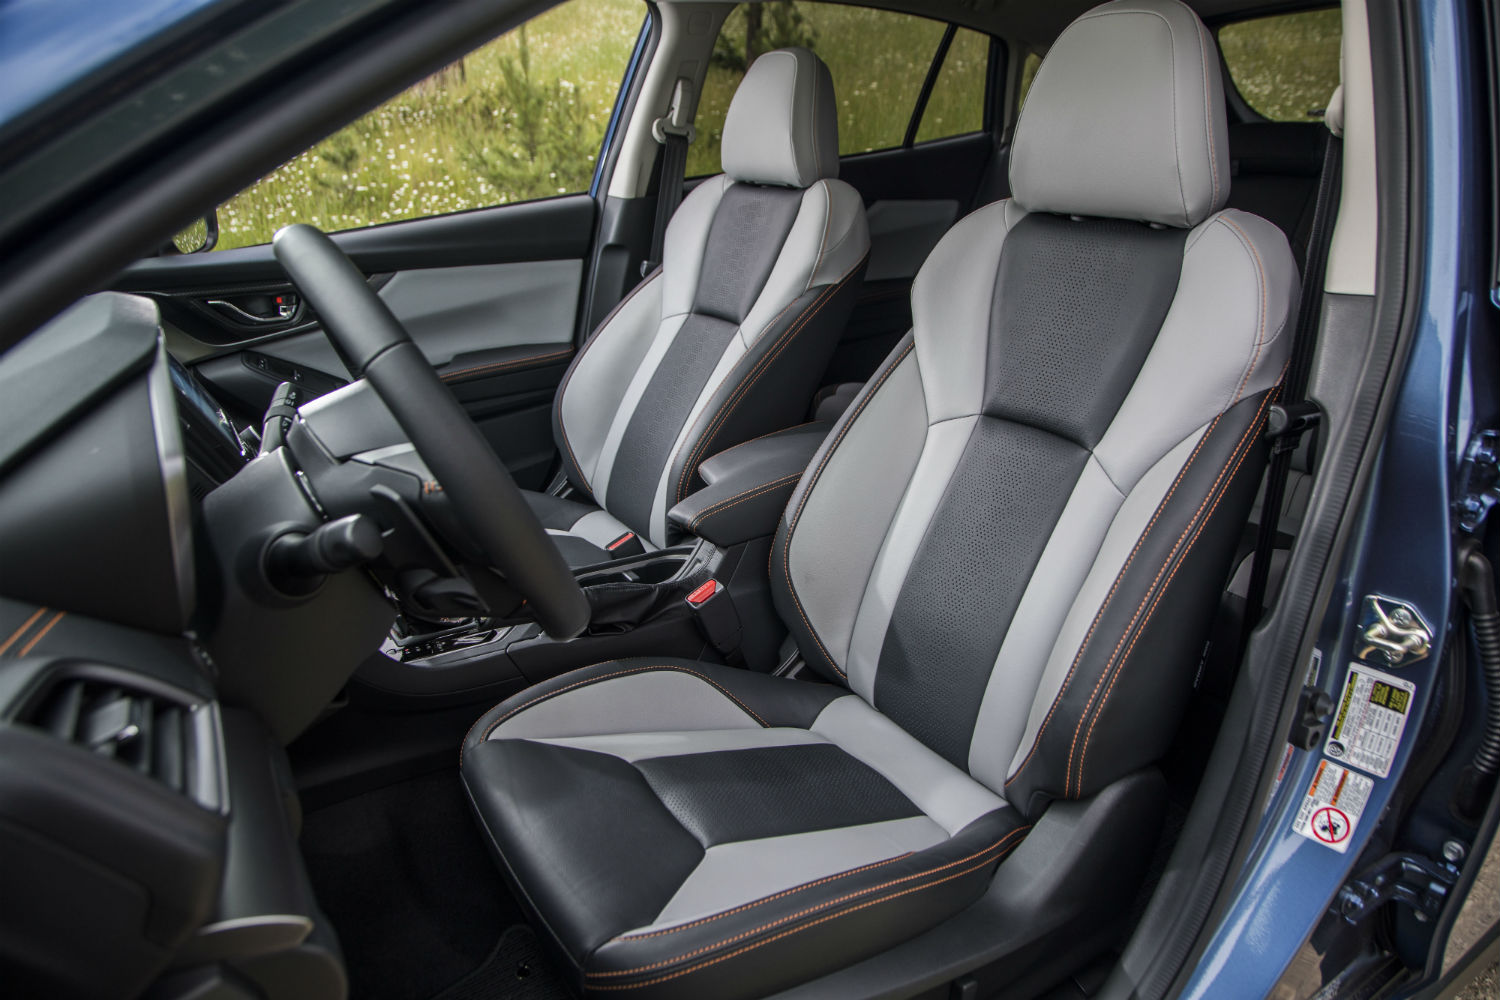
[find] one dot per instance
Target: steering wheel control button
(704, 593)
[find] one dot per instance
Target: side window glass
(518, 118)
(1028, 73)
(1286, 66)
(878, 59)
(956, 104)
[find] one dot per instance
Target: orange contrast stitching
(1109, 598)
(759, 437)
(997, 846)
(755, 374)
(1146, 597)
(624, 673)
(495, 367)
(1246, 443)
(642, 935)
(24, 626)
(38, 637)
(743, 496)
(1244, 380)
(812, 482)
(567, 378)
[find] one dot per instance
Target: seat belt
(675, 132)
(1289, 419)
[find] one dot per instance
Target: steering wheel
(483, 494)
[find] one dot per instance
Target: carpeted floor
(417, 902)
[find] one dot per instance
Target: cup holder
(650, 567)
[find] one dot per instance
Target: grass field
(1282, 65)
(523, 116)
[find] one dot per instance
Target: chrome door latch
(1391, 632)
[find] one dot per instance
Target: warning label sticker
(1331, 809)
(1371, 717)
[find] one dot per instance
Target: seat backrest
(1013, 542)
(1276, 166)
(730, 337)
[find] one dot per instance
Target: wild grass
(518, 118)
(1285, 66)
(523, 116)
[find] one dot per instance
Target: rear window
(1286, 66)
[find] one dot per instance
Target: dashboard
(215, 448)
(147, 811)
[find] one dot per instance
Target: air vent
(162, 738)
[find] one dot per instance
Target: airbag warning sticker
(1331, 808)
(1371, 717)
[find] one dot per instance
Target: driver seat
(1002, 563)
(728, 339)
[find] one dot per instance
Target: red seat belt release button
(704, 593)
(622, 540)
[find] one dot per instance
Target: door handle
(286, 307)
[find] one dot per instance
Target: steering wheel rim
(480, 488)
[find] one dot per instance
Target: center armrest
(748, 485)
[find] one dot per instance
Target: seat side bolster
(819, 598)
(786, 934)
(769, 375)
(770, 386)
(649, 695)
(594, 384)
(1157, 610)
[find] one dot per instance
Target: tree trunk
(753, 13)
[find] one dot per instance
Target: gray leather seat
(729, 338)
(1002, 563)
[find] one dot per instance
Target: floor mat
(515, 970)
(402, 874)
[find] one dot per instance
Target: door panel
(490, 297)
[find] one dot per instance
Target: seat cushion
(687, 829)
(585, 534)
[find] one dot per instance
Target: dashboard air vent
(168, 740)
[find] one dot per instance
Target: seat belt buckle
(1285, 424)
(714, 611)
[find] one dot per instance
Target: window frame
(995, 60)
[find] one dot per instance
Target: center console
(707, 597)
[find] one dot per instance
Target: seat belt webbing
(1296, 414)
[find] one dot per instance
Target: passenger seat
(728, 339)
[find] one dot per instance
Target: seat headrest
(783, 124)
(1125, 119)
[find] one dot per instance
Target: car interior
(838, 589)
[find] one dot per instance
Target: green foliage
(545, 144)
(751, 29)
(1285, 66)
(523, 116)
(496, 127)
(878, 60)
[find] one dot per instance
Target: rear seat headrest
(783, 125)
